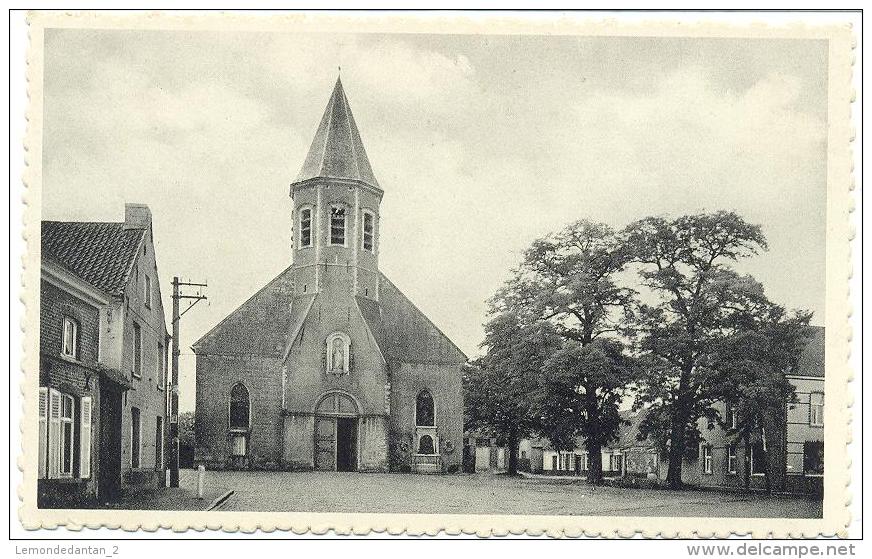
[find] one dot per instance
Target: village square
(629, 368)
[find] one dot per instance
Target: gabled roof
(261, 325)
(101, 253)
(628, 432)
(811, 360)
(404, 333)
(271, 320)
(337, 150)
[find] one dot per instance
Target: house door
(325, 444)
(109, 472)
(346, 444)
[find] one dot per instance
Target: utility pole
(174, 395)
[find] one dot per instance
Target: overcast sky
(481, 143)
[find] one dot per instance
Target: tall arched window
(424, 409)
(240, 408)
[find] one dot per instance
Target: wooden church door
(325, 444)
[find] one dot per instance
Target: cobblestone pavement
(486, 494)
(183, 497)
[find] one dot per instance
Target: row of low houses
(103, 361)
(722, 460)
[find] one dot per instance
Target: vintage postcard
(468, 273)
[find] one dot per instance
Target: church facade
(329, 366)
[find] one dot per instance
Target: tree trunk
(594, 461)
(676, 446)
(678, 430)
(513, 451)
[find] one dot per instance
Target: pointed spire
(337, 150)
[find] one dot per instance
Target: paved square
(484, 494)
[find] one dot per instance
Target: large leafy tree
(498, 387)
(567, 280)
(694, 304)
(752, 364)
(582, 389)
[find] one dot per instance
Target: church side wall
(216, 375)
(443, 381)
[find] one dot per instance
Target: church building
(329, 366)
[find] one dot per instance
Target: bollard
(201, 474)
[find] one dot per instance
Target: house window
(554, 462)
(70, 345)
(584, 462)
(305, 228)
(135, 437)
(137, 350)
(707, 459)
(337, 226)
(66, 435)
(816, 409)
(730, 417)
(615, 462)
(758, 458)
(813, 458)
(158, 444)
(424, 409)
(368, 229)
(161, 366)
(240, 408)
(523, 455)
(57, 435)
(731, 459)
(147, 293)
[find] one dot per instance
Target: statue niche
(337, 353)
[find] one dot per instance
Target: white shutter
(54, 433)
(85, 439)
(43, 430)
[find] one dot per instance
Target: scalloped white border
(839, 231)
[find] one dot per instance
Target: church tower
(329, 366)
(336, 210)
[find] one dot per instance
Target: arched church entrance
(336, 417)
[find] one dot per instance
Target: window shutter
(54, 433)
(85, 439)
(43, 430)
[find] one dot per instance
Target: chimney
(137, 216)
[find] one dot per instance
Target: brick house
(329, 366)
(103, 341)
(72, 391)
(796, 448)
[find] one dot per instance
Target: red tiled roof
(101, 253)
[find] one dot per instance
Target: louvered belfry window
(305, 228)
(337, 226)
(368, 228)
